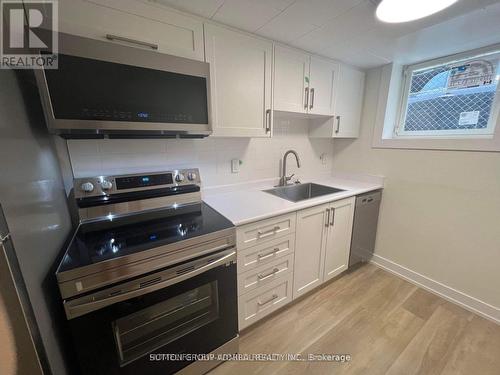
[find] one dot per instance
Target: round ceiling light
(394, 11)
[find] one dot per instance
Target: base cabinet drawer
(260, 302)
(265, 274)
(259, 232)
(253, 257)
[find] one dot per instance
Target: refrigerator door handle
(4, 238)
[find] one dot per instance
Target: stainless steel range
(150, 271)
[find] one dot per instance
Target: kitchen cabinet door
(338, 241)
(310, 242)
(240, 81)
(349, 89)
(323, 75)
(349, 101)
(133, 23)
(291, 77)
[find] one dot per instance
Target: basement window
(454, 97)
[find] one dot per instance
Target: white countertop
(246, 202)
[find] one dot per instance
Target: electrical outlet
(323, 157)
(235, 165)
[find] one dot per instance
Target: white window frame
(408, 71)
(383, 99)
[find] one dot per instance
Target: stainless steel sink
(300, 192)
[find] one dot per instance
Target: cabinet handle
(269, 232)
(268, 255)
(327, 217)
(270, 274)
(132, 41)
(268, 121)
(306, 98)
(312, 99)
(269, 300)
(337, 129)
(332, 216)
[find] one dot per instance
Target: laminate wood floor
(386, 324)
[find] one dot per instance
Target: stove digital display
(132, 182)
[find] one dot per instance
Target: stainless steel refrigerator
(34, 225)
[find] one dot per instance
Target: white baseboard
(467, 302)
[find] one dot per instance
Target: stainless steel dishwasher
(364, 230)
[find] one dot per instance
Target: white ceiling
(347, 30)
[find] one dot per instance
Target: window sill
(487, 145)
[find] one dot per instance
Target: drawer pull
(268, 255)
(270, 274)
(269, 232)
(269, 300)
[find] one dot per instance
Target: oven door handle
(74, 308)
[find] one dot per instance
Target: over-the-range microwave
(105, 89)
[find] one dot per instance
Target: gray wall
(34, 201)
(440, 213)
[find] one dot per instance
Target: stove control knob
(179, 178)
(192, 176)
(87, 187)
(106, 185)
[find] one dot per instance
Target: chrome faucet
(284, 178)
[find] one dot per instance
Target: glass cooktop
(116, 237)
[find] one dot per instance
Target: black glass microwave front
(194, 316)
(96, 90)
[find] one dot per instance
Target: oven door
(189, 308)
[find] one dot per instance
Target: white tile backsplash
(83, 164)
(260, 156)
(130, 162)
(131, 146)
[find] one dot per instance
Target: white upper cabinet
(349, 102)
(303, 83)
(291, 77)
(323, 75)
(240, 75)
(345, 123)
(134, 23)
